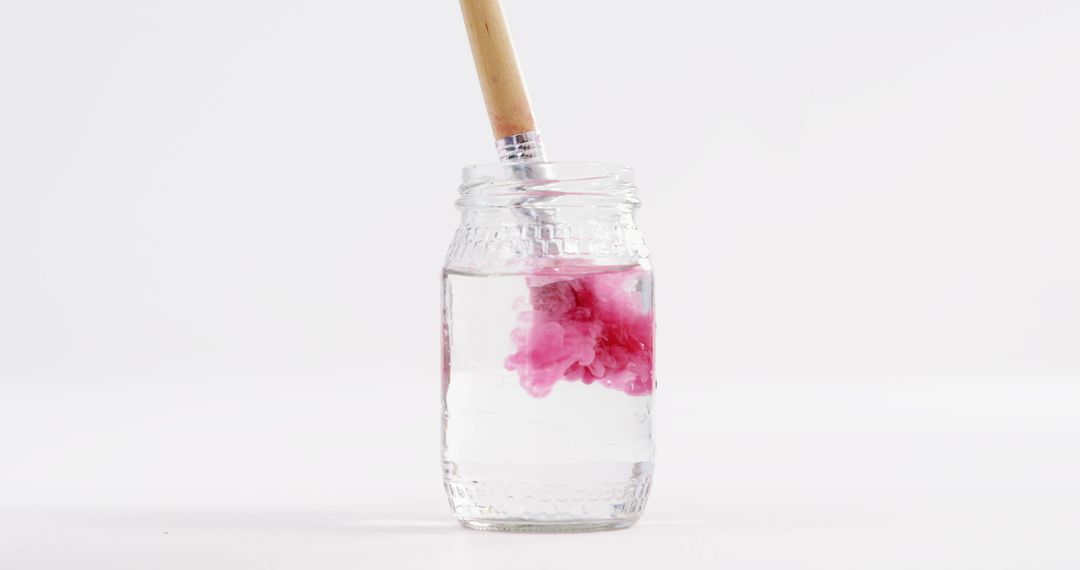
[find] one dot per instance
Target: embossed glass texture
(547, 350)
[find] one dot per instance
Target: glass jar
(547, 350)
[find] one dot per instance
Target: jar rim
(559, 176)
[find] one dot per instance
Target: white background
(221, 227)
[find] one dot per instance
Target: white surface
(220, 238)
(341, 472)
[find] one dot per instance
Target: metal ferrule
(522, 147)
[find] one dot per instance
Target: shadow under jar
(547, 350)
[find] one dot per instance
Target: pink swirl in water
(592, 327)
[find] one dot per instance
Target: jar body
(548, 353)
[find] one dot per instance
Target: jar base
(548, 498)
(509, 525)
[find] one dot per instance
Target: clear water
(578, 458)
